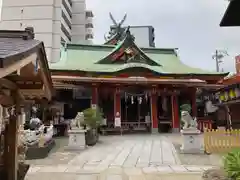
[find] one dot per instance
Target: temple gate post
(94, 101)
(12, 140)
(175, 113)
(154, 113)
(193, 102)
(117, 107)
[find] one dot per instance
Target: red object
(94, 95)
(154, 111)
(117, 103)
(202, 124)
(175, 112)
(117, 54)
(113, 42)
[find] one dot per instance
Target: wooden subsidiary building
(24, 74)
(128, 82)
(228, 97)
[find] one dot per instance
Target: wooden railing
(204, 124)
(221, 140)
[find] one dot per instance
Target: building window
(66, 20)
(88, 36)
(89, 25)
(62, 41)
(64, 30)
(89, 14)
(67, 8)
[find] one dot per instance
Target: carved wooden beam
(17, 66)
(7, 84)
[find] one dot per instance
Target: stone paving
(129, 151)
(147, 157)
(116, 173)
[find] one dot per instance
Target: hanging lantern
(226, 96)
(237, 92)
(232, 94)
(222, 97)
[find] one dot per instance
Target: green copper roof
(80, 57)
(125, 52)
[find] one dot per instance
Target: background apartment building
(144, 35)
(54, 21)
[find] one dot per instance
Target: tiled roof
(17, 44)
(85, 58)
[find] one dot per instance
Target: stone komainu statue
(188, 121)
(78, 120)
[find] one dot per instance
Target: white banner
(117, 122)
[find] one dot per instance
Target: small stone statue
(77, 121)
(189, 122)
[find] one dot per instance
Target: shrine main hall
(128, 83)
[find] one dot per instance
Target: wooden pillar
(154, 116)
(175, 113)
(94, 101)
(13, 140)
(117, 107)
(193, 102)
(6, 154)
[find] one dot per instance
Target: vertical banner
(237, 64)
(117, 108)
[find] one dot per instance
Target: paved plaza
(117, 157)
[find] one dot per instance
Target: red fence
(202, 124)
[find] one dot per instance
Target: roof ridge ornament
(116, 29)
(128, 35)
(115, 22)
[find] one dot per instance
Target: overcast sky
(190, 25)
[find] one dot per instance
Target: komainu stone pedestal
(192, 142)
(76, 139)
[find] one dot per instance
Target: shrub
(92, 117)
(232, 164)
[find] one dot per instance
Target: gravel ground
(194, 159)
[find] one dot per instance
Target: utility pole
(219, 54)
(217, 61)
